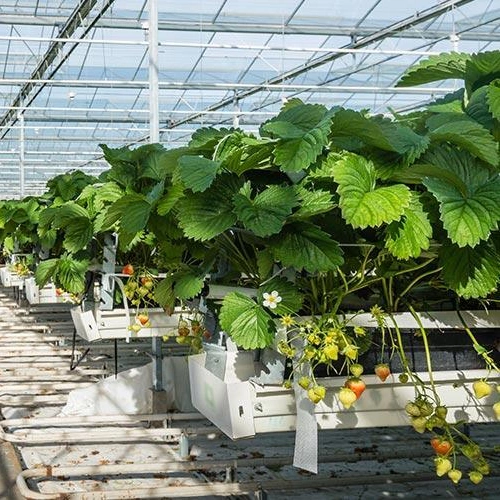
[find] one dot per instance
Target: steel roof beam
(71, 24)
(397, 27)
(266, 28)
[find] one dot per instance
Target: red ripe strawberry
(356, 385)
(382, 371)
(128, 269)
(441, 446)
(143, 319)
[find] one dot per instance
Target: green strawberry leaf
(407, 237)
(267, 212)
(203, 216)
(164, 292)
(78, 234)
(71, 274)
(170, 199)
(246, 322)
(435, 68)
(362, 203)
(302, 245)
(44, 271)
(312, 202)
(470, 136)
(303, 132)
(188, 284)
(493, 98)
(470, 272)
(469, 216)
(197, 173)
(132, 211)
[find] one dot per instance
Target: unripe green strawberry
(419, 424)
(441, 411)
(356, 369)
(475, 476)
(287, 384)
(471, 451)
(455, 475)
(403, 378)
(304, 382)
(482, 466)
(426, 408)
(496, 409)
(435, 421)
(443, 466)
(481, 389)
(347, 397)
(316, 394)
(135, 327)
(412, 409)
(331, 352)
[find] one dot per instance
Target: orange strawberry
(128, 269)
(356, 385)
(441, 446)
(382, 371)
(143, 319)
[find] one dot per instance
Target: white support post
(20, 117)
(154, 119)
(154, 136)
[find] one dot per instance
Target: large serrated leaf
(312, 202)
(206, 138)
(407, 237)
(378, 132)
(303, 130)
(363, 204)
(170, 199)
(78, 234)
(156, 165)
(44, 271)
(470, 272)
(478, 109)
(302, 245)
(247, 323)
(164, 292)
(132, 210)
(435, 68)
(188, 284)
(197, 172)
(469, 216)
(481, 69)
(470, 136)
(493, 98)
(205, 215)
(69, 211)
(71, 274)
(267, 212)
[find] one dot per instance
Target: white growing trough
(9, 278)
(46, 295)
(115, 324)
(242, 408)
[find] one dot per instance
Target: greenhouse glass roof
(75, 73)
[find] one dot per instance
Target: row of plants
(324, 212)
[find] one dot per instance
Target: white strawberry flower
(272, 299)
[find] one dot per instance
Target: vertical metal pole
(154, 114)
(20, 117)
(154, 136)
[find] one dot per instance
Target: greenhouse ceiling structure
(78, 73)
